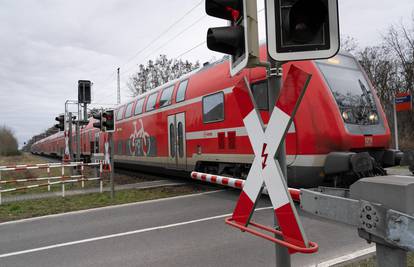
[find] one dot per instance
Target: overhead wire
(169, 40)
(164, 32)
(153, 41)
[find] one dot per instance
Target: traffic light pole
(274, 82)
(78, 139)
(111, 155)
(70, 135)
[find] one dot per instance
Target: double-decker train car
(340, 132)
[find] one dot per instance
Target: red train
(340, 131)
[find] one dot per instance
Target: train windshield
(350, 89)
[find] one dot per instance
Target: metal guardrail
(51, 180)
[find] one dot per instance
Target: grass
(34, 208)
(371, 262)
(27, 158)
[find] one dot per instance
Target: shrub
(8, 142)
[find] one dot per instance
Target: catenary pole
(119, 87)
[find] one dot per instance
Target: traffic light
(302, 29)
(61, 124)
(84, 91)
(105, 120)
(98, 123)
(240, 38)
(108, 120)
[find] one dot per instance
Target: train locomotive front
(341, 132)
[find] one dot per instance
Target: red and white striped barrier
(235, 183)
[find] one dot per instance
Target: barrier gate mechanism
(265, 170)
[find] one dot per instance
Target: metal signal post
(106, 123)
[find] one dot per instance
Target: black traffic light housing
(105, 120)
(98, 117)
(61, 124)
(240, 38)
(108, 120)
(84, 91)
(302, 29)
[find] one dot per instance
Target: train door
(96, 147)
(176, 141)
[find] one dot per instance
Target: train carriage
(340, 131)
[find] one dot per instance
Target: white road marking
(118, 235)
(360, 254)
(108, 207)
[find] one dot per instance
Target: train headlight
(345, 115)
(373, 117)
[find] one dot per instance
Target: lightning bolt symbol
(264, 156)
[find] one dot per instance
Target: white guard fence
(49, 180)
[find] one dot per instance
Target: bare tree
(399, 39)
(349, 44)
(158, 72)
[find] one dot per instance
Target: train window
(213, 107)
(152, 100)
(180, 140)
(166, 96)
(172, 140)
(120, 113)
(138, 106)
(260, 95)
(181, 91)
(350, 89)
(128, 112)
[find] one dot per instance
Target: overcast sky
(48, 45)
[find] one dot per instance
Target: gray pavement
(181, 231)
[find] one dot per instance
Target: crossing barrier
(235, 183)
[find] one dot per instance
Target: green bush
(8, 142)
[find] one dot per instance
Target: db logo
(369, 141)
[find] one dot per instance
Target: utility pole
(119, 87)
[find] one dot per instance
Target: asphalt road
(182, 231)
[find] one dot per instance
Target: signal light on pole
(84, 91)
(61, 124)
(240, 38)
(105, 120)
(98, 123)
(108, 121)
(302, 29)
